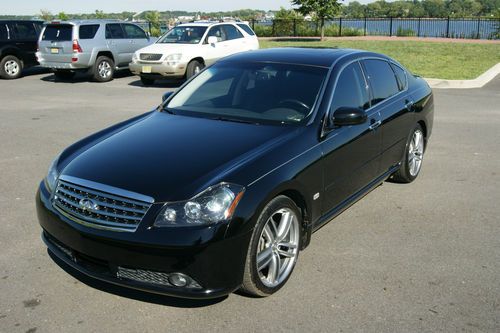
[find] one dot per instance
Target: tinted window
(401, 76)
(183, 35)
(351, 89)
(256, 92)
(217, 32)
(247, 29)
(134, 31)
(114, 31)
(25, 30)
(382, 80)
(3, 32)
(88, 31)
(232, 32)
(58, 32)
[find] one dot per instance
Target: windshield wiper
(235, 120)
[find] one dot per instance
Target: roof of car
(322, 57)
(205, 23)
(93, 21)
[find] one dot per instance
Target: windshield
(254, 92)
(183, 35)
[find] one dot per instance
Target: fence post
(418, 27)
(448, 28)
(364, 29)
(273, 33)
(478, 27)
(390, 27)
(253, 24)
(294, 27)
(340, 26)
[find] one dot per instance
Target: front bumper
(215, 263)
(157, 70)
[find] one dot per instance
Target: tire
(193, 68)
(104, 69)
(263, 250)
(413, 158)
(146, 81)
(11, 67)
(64, 74)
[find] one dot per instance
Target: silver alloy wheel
(278, 247)
(197, 69)
(416, 152)
(104, 69)
(11, 68)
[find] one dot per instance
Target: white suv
(188, 48)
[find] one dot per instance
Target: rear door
(390, 99)
(56, 43)
(4, 34)
(136, 37)
(118, 44)
(26, 38)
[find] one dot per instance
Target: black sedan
(222, 185)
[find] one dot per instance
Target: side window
(134, 32)
(3, 32)
(25, 30)
(114, 31)
(401, 76)
(88, 31)
(232, 32)
(351, 90)
(247, 29)
(381, 79)
(217, 32)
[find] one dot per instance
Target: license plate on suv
(146, 69)
(54, 50)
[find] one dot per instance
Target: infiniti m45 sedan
(222, 186)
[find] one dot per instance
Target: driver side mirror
(212, 40)
(166, 96)
(345, 116)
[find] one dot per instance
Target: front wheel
(193, 68)
(274, 248)
(11, 67)
(414, 155)
(104, 69)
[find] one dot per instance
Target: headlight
(173, 59)
(52, 175)
(215, 204)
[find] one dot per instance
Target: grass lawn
(453, 61)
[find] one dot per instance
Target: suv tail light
(76, 47)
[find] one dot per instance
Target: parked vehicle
(18, 43)
(223, 184)
(96, 46)
(188, 48)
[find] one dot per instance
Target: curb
(478, 82)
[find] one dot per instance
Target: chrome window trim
(108, 189)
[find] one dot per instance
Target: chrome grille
(98, 209)
(150, 56)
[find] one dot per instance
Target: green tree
(99, 14)
(154, 18)
(62, 16)
(46, 15)
(322, 9)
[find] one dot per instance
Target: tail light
(76, 47)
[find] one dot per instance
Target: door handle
(375, 124)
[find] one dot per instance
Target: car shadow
(166, 83)
(35, 70)
(82, 77)
(134, 294)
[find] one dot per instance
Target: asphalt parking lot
(422, 257)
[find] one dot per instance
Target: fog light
(178, 280)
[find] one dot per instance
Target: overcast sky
(30, 7)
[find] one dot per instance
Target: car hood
(174, 157)
(168, 48)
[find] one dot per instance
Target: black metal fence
(475, 28)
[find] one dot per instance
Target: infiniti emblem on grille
(88, 205)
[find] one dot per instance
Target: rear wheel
(274, 248)
(193, 68)
(11, 67)
(64, 74)
(412, 161)
(104, 69)
(146, 81)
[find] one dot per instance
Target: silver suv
(97, 46)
